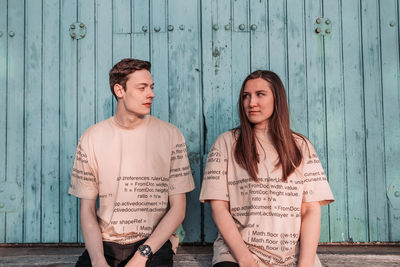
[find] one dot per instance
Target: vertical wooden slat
(277, 38)
(354, 118)
(103, 48)
(68, 121)
(86, 70)
(185, 96)
(33, 122)
(50, 126)
(297, 84)
(217, 83)
(15, 119)
(159, 59)
(316, 95)
(377, 201)
(140, 39)
(121, 29)
(3, 109)
(240, 52)
(391, 104)
(259, 37)
(335, 123)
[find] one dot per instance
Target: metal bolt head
(318, 20)
(227, 27)
(392, 23)
(72, 26)
(253, 27)
(83, 35)
(157, 29)
(215, 27)
(170, 28)
(327, 31)
(397, 194)
(73, 35)
(11, 33)
(12, 197)
(241, 27)
(2, 205)
(328, 21)
(318, 30)
(144, 28)
(1, 34)
(182, 27)
(81, 25)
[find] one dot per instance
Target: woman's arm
(229, 231)
(309, 232)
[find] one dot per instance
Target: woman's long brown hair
(246, 154)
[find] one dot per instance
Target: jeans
(118, 255)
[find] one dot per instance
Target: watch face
(145, 250)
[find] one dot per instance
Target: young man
(138, 167)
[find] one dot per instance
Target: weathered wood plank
(297, 83)
(159, 58)
(140, 39)
(240, 53)
(86, 71)
(103, 48)
(68, 122)
(185, 96)
(277, 21)
(354, 117)
(33, 123)
(50, 126)
(3, 108)
(259, 44)
(218, 99)
(15, 120)
(389, 38)
(377, 201)
(335, 124)
(316, 95)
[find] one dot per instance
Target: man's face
(138, 96)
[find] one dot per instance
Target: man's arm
(91, 233)
(229, 231)
(167, 226)
(309, 232)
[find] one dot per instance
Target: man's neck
(128, 121)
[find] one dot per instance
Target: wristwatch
(145, 250)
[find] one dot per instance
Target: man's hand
(137, 261)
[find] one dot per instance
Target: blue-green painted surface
(343, 90)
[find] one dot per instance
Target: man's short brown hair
(119, 73)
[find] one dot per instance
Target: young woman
(265, 184)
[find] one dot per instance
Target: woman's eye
(245, 96)
(260, 94)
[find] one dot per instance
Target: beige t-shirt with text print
(133, 172)
(267, 213)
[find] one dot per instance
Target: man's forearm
(168, 224)
(92, 235)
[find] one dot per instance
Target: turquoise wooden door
(339, 61)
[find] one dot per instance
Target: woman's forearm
(309, 232)
(229, 231)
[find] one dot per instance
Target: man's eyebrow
(137, 84)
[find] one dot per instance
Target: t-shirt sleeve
(215, 184)
(180, 175)
(315, 183)
(84, 182)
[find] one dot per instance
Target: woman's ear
(119, 90)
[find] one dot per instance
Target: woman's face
(258, 102)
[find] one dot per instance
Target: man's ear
(119, 90)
